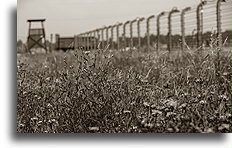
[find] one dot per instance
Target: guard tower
(36, 36)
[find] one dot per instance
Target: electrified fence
(174, 29)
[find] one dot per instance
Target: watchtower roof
(36, 20)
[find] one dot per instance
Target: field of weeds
(124, 92)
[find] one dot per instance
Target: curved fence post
(118, 39)
(107, 35)
(200, 23)
(138, 30)
(98, 38)
(91, 39)
(148, 31)
(183, 27)
(131, 33)
(158, 31)
(75, 42)
(124, 34)
(219, 22)
(84, 39)
(102, 38)
(112, 37)
(174, 10)
(78, 41)
(94, 39)
(87, 34)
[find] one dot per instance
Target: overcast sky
(69, 17)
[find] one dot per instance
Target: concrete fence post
(148, 31)
(112, 36)
(183, 27)
(91, 41)
(88, 45)
(98, 37)
(131, 33)
(174, 10)
(84, 39)
(219, 21)
(107, 35)
(117, 31)
(158, 31)
(102, 38)
(124, 34)
(94, 39)
(200, 23)
(76, 43)
(79, 40)
(138, 30)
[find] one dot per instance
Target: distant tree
(21, 47)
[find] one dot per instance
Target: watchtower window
(36, 31)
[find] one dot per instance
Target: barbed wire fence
(173, 29)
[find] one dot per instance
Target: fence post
(138, 29)
(91, 42)
(158, 31)
(88, 45)
(102, 37)
(87, 41)
(75, 42)
(118, 40)
(174, 10)
(112, 36)
(124, 33)
(148, 31)
(98, 37)
(219, 27)
(94, 39)
(107, 35)
(79, 40)
(82, 41)
(183, 27)
(131, 33)
(200, 23)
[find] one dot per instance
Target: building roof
(36, 20)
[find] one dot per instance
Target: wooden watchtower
(36, 36)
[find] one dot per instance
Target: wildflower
(39, 123)
(226, 74)
(223, 97)
(126, 111)
(144, 121)
(172, 103)
(48, 79)
(57, 81)
(203, 102)
(34, 118)
(146, 104)
(49, 105)
(94, 128)
(224, 126)
(184, 105)
(21, 125)
(149, 125)
(209, 130)
(117, 113)
(155, 112)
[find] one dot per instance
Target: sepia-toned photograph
(123, 66)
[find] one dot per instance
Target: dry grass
(124, 92)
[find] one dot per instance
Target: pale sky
(70, 17)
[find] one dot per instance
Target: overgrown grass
(124, 92)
